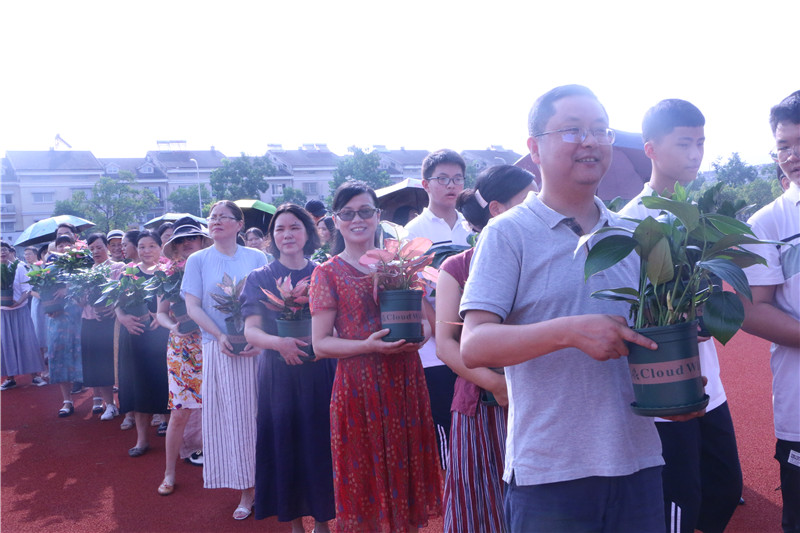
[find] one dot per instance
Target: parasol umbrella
(45, 230)
(406, 194)
(172, 217)
(256, 213)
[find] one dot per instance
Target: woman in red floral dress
(386, 469)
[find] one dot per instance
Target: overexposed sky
(114, 77)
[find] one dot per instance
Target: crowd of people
(512, 415)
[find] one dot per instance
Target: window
(8, 227)
(156, 191)
(147, 169)
(112, 169)
(43, 197)
(7, 198)
(310, 188)
(277, 189)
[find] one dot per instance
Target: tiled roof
(306, 157)
(492, 156)
(133, 164)
(405, 157)
(53, 160)
(182, 158)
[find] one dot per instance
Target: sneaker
(196, 458)
(110, 412)
(38, 381)
(157, 420)
(8, 384)
(128, 423)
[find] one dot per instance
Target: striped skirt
(229, 419)
(473, 487)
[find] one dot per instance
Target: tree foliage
(241, 178)
(114, 203)
(290, 196)
(735, 172)
(184, 200)
(361, 166)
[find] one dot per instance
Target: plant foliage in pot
(228, 303)
(680, 252)
(398, 288)
(131, 292)
(294, 320)
(7, 274)
(166, 282)
(47, 280)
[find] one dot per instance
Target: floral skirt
(185, 370)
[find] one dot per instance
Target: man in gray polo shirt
(577, 458)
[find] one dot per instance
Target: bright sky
(115, 77)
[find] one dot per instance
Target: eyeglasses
(578, 135)
(445, 181)
(782, 154)
(365, 213)
(221, 218)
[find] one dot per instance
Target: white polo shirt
(780, 221)
(439, 231)
(709, 362)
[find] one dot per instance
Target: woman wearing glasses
(229, 381)
(386, 471)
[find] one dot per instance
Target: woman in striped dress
(473, 490)
(229, 381)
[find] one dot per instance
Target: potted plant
(166, 282)
(85, 285)
(295, 316)
(7, 274)
(398, 289)
(680, 253)
(46, 279)
(228, 303)
(131, 293)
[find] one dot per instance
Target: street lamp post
(199, 190)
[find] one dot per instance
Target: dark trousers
(702, 475)
(441, 383)
(788, 455)
(599, 504)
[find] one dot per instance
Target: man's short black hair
(544, 107)
(787, 111)
(440, 157)
(665, 116)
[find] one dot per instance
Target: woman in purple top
(473, 490)
(294, 472)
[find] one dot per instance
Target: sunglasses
(365, 213)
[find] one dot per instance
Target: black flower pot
(139, 310)
(185, 324)
(667, 381)
(7, 297)
(401, 312)
(235, 336)
(50, 303)
(298, 329)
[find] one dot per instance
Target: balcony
(8, 209)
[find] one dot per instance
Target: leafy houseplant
(85, 285)
(680, 253)
(7, 274)
(46, 279)
(131, 293)
(228, 303)
(292, 304)
(166, 282)
(397, 286)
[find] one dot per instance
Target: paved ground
(74, 474)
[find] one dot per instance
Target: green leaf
(623, 294)
(648, 233)
(723, 314)
(729, 241)
(687, 213)
(790, 261)
(730, 273)
(728, 225)
(743, 258)
(608, 252)
(659, 263)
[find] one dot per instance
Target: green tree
(361, 166)
(113, 204)
(735, 172)
(290, 195)
(184, 200)
(241, 177)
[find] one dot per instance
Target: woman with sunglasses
(229, 380)
(293, 460)
(184, 354)
(386, 469)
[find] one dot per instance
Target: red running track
(74, 474)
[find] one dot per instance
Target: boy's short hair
(440, 157)
(787, 111)
(669, 114)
